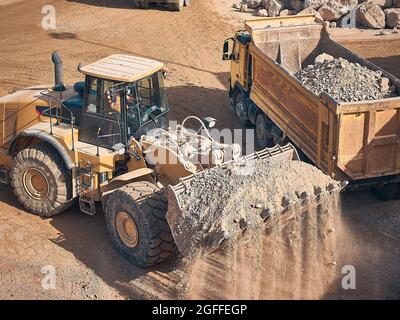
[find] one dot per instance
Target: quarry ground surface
(77, 245)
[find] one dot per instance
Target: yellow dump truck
(355, 141)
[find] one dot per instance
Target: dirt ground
(190, 42)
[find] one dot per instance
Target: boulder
(383, 3)
(370, 15)
(323, 57)
(274, 7)
(392, 17)
(331, 11)
(315, 4)
(252, 4)
(262, 13)
(298, 5)
(287, 12)
(311, 11)
(350, 4)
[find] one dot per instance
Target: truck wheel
(176, 6)
(386, 192)
(140, 5)
(136, 221)
(41, 181)
(240, 110)
(261, 131)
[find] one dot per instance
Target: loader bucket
(181, 231)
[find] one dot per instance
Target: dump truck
(105, 143)
(173, 5)
(354, 141)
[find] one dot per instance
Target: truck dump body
(351, 140)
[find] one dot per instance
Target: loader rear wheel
(387, 192)
(136, 221)
(176, 6)
(41, 181)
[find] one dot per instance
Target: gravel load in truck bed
(345, 81)
(225, 202)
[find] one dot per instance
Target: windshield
(146, 102)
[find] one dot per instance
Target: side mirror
(226, 55)
(209, 122)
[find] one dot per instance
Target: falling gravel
(345, 81)
(223, 203)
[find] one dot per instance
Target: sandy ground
(190, 42)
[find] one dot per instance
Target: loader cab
(122, 101)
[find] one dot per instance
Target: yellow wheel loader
(173, 5)
(106, 140)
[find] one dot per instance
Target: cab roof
(124, 68)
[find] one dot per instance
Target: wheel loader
(106, 141)
(173, 5)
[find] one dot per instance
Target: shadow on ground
(118, 4)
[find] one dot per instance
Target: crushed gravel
(224, 203)
(345, 81)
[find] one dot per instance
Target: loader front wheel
(136, 221)
(41, 181)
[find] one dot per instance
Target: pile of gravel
(345, 81)
(224, 203)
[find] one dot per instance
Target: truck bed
(351, 140)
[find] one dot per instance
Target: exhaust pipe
(58, 72)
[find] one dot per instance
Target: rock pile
(345, 81)
(375, 14)
(226, 202)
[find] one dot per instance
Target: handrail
(59, 117)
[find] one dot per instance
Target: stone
(370, 15)
(383, 3)
(329, 12)
(274, 7)
(297, 5)
(323, 57)
(384, 84)
(392, 17)
(262, 13)
(287, 12)
(350, 4)
(310, 11)
(315, 4)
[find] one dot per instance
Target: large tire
(176, 6)
(240, 110)
(140, 5)
(261, 132)
(387, 192)
(41, 181)
(148, 240)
